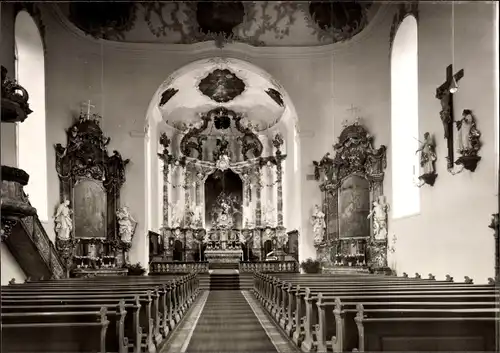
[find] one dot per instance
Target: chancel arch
(404, 119)
(216, 118)
(31, 134)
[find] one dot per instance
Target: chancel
(210, 176)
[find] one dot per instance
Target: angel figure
(379, 216)
(319, 225)
(63, 221)
(126, 224)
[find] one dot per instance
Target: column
(279, 185)
(258, 198)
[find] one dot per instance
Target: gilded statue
(379, 216)
(63, 221)
(319, 225)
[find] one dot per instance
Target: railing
(177, 267)
(270, 266)
(45, 246)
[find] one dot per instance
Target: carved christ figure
(445, 113)
(63, 221)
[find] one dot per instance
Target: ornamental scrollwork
(250, 142)
(192, 141)
(354, 153)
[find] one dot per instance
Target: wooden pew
(117, 339)
(337, 329)
(157, 315)
(279, 297)
(445, 330)
(55, 332)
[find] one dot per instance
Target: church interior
(229, 176)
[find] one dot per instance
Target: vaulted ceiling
(266, 23)
(217, 83)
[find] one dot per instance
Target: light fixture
(453, 86)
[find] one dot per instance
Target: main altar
(222, 198)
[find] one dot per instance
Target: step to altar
(347, 270)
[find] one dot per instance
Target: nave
(283, 312)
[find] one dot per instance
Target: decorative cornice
(208, 49)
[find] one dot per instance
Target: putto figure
(63, 221)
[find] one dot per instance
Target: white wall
(10, 268)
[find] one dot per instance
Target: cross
(446, 97)
(89, 107)
(353, 111)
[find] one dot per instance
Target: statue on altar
(126, 223)
(63, 221)
(319, 225)
(223, 211)
(177, 214)
(379, 216)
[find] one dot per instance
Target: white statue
(319, 225)
(177, 214)
(269, 211)
(464, 127)
(126, 224)
(379, 217)
(63, 221)
(256, 239)
(427, 154)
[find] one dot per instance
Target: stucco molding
(299, 52)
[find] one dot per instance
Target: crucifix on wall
(444, 94)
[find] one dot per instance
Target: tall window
(31, 139)
(295, 150)
(404, 120)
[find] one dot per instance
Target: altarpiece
(222, 198)
(90, 181)
(351, 183)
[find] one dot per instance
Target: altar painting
(354, 207)
(89, 203)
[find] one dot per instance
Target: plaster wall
(450, 235)
(10, 268)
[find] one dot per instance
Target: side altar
(351, 227)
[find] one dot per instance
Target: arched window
(31, 138)
(295, 150)
(404, 120)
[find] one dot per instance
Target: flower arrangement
(135, 269)
(311, 266)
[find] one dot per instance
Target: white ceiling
(188, 103)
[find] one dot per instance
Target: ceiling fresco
(217, 85)
(258, 23)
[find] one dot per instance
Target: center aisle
(228, 324)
